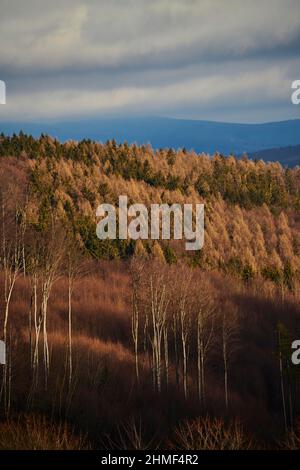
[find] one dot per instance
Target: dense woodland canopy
(252, 208)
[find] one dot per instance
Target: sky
(218, 60)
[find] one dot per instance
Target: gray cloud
(200, 58)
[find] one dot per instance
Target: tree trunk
(225, 362)
(45, 335)
(70, 330)
(176, 349)
(282, 383)
(135, 333)
(166, 348)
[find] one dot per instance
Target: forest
(123, 344)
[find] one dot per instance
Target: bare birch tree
(136, 269)
(205, 314)
(75, 268)
(184, 303)
(51, 257)
(185, 321)
(12, 237)
(229, 344)
(175, 336)
(159, 299)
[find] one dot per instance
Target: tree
(205, 314)
(229, 335)
(50, 253)
(13, 225)
(74, 268)
(157, 252)
(184, 302)
(289, 374)
(158, 295)
(136, 269)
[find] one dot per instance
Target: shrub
(292, 439)
(33, 432)
(210, 434)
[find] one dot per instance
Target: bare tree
(12, 234)
(183, 297)
(136, 269)
(288, 372)
(185, 321)
(166, 351)
(159, 299)
(205, 314)
(176, 352)
(75, 268)
(51, 257)
(229, 334)
(32, 268)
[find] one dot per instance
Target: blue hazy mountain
(288, 155)
(202, 136)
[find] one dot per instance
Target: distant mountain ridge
(202, 136)
(286, 155)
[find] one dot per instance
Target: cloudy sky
(230, 60)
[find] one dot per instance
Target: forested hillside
(251, 208)
(134, 345)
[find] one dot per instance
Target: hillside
(289, 156)
(134, 345)
(252, 208)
